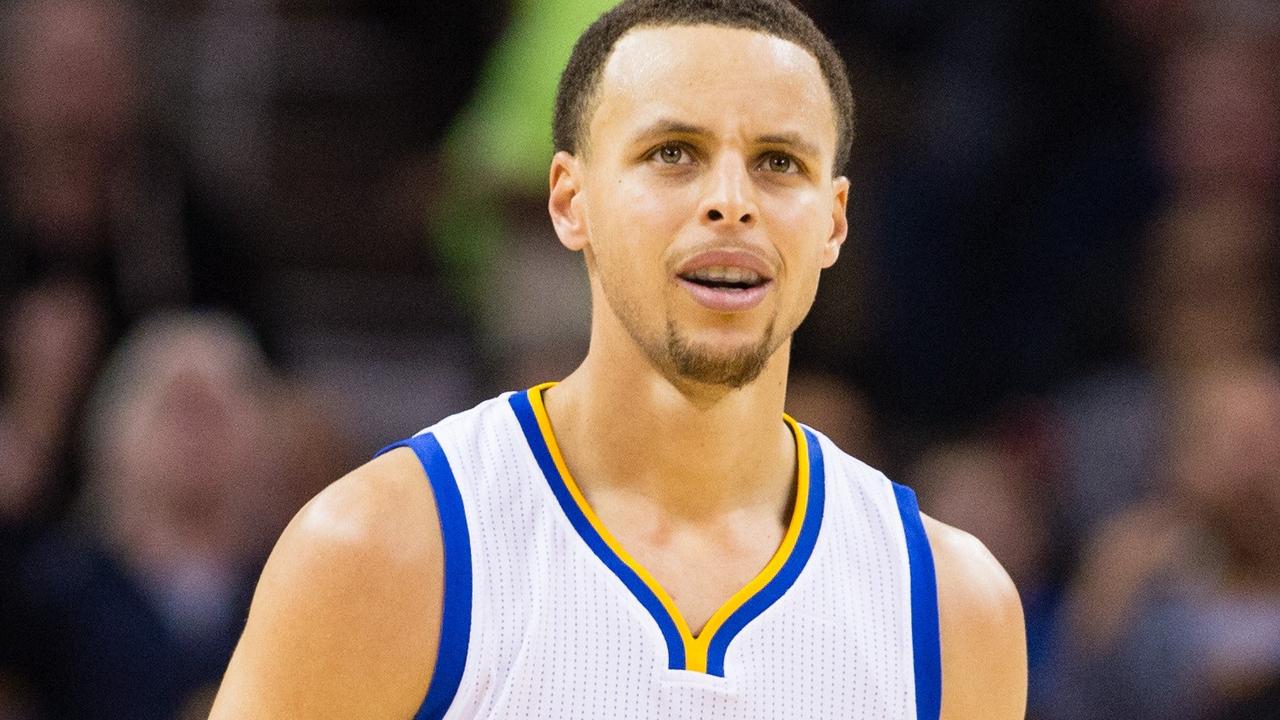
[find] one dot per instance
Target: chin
(729, 362)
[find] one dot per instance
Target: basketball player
(651, 537)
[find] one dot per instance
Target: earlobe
(564, 203)
(839, 222)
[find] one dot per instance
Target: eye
(780, 163)
(672, 154)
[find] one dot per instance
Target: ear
(566, 202)
(839, 221)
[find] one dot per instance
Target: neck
(693, 450)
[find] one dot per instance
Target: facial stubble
(735, 369)
(683, 360)
(679, 358)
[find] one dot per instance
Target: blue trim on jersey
(529, 424)
(927, 650)
(786, 577)
(455, 628)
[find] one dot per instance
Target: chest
(702, 571)
(574, 617)
(555, 624)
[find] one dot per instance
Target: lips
(726, 280)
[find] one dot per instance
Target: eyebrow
(668, 126)
(792, 140)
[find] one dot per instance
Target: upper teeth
(720, 273)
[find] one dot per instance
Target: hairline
(591, 95)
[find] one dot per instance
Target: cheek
(635, 223)
(805, 226)
(652, 207)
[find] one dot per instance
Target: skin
(702, 138)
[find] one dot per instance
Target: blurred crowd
(245, 243)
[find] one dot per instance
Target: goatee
(734, 369)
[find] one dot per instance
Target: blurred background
(245, 243)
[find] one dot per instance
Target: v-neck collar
(704, 652)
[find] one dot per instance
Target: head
(69, 109)
(1207, 294)
(698, 148)
(1225, 454)
(177, 430)
(1219, 126)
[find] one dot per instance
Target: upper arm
(984, 650)
(346, 618)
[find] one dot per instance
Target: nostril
(715, 215)
(745, 219)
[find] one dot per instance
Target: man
(651, 537)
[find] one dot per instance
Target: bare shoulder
(984, 655)
(346, 617)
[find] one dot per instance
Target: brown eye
(671, 154)
(781, 164)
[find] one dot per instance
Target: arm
(346, 618)
(984, 647)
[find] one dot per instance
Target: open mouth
(725, 278)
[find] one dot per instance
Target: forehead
(724, 79)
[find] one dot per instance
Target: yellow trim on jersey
(696, 647)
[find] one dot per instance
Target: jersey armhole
(925, 638)
(455, 626)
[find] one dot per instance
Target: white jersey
(547, 616)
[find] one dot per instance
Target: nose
(729, 199)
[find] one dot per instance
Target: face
(704, 198)
(1227, 455)
(194, 426)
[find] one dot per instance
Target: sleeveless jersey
(546, 616)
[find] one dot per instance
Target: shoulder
(984, 661)
(972, 580)
(376, 513)
(345, 619)
(374, 527)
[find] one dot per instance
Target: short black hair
(778, 18)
